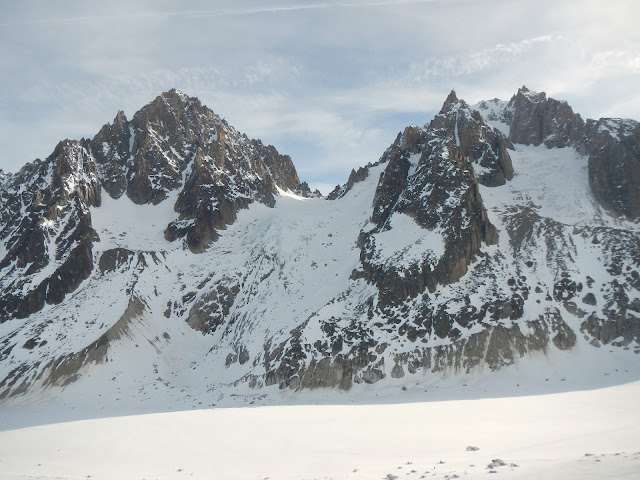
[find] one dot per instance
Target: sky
(330, 83)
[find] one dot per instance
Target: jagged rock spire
(451, 98)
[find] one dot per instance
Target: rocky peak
(450, 101)
(74, 172)
(177, 96)
(168, 133)
(173, 144)
(121, 120)
(612, 145)
(176, 143)
(484, 145)
(146, 157)
(430, 179)
(354, 177)
(529, 95)
(173, 113)
(279, 167)
(535, 119)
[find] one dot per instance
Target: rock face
(354, 177)
(614, 164)
(535, 119)
(46, 230)
(161, 253)
(430, 179)
(147, 158)
(174, 144)
(483, 145)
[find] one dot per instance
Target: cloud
(329, 82)
(623, 61)
(271, 70)
(474, 62)
(132, 15)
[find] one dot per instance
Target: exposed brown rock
(613, 146)
(446, 173)
(61, 205)
(536, 119)
(478, 142)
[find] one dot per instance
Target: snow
(290, 194)
(292, 255)
(410, 247)
(455, 130)
(570, 435)
(555, 182)
(132, 137)
(493, 112)
(122, 223)
(617, 126)
(609, 126)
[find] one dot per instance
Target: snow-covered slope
(209, 270)
(576, 435)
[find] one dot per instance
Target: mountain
(171, 252)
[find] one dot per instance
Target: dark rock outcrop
(535, 119)
(354, 177)
(211, 310)
(47, 230)
(429, 179)
(613, 146)
(483, 145)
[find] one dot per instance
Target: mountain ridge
(210, 264)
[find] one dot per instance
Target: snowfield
(555, 183)
(566, 415)
(572, 435)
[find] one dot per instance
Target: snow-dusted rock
(535, 119)
(171, 249)
(613, 145)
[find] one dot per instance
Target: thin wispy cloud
(475, 61)
(223, 12)
(135, 17)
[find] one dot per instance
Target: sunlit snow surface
(297, 256)
(575, 435)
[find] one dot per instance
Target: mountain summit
(172, 252)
